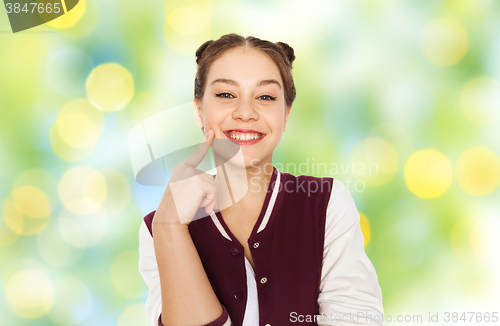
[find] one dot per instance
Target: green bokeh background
(376, 70)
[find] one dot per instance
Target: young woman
(260, 247)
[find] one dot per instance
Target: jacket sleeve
(148, 268)
(349, 289)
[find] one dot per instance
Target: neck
(238, 185)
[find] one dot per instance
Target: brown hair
(280, 52)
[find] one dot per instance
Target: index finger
(195, 159)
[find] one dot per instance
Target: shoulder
(340, 197)
(307, 185)
(307, 196)
(341, 210)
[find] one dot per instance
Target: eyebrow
(235, 83)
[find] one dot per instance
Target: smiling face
(244, 101)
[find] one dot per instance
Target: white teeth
(244, 137)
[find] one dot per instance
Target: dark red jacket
(287, 253)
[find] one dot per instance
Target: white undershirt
(251, 317)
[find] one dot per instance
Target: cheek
(213, 116)
(278, 120)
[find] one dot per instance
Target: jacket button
(238, 295)
(256, 245)
(268, 324)
(235, 251)
(263, 280)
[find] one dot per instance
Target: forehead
(245, 65)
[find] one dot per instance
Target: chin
(241, 157)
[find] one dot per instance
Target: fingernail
(210, 132)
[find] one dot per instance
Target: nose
(245, 111)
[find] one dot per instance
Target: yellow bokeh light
(84, 25)
(65, 151)
(42, 180)
(480, 100)
(31, 201)
(147, 104)
(365, 227)
(132, 316)
(20, 223)
(478, 241)
(472, 11)
(119, 194)
(124, 275)
(13, 217)
(444, 42)
(110, 87)
(70, 18)
(72, 303)
(428, 173)
(181, 20)
(466, 240)
(374, 161)
(29, 294)
(396, 135)
(180, 33)
(77, 130)
(83, 190)
(82, 231)
(478, 171)
(7, 235)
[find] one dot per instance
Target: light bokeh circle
(77, 130)
(133, 315)
(428, 173)
(82, 231)
(70, 18)
(20, 223)
(110, 87)
(72, 302)
(29, 293)
(83, 190)
(32, 201)
(118, 193)
(365, 228)
(181, 34)
(374, 161)
(480, 100)
(466, 240)
(478, 171)
(444, 42)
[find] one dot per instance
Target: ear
(197, 113)
(287, 115)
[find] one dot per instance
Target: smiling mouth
(244, 136)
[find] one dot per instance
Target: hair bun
(288, 50)
(201, 49)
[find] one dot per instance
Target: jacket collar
(272, 201)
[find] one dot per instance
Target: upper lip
(244, 130)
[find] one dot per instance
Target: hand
(188, 189)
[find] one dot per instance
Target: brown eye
(224, 95)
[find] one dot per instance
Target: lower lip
(245, 142)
